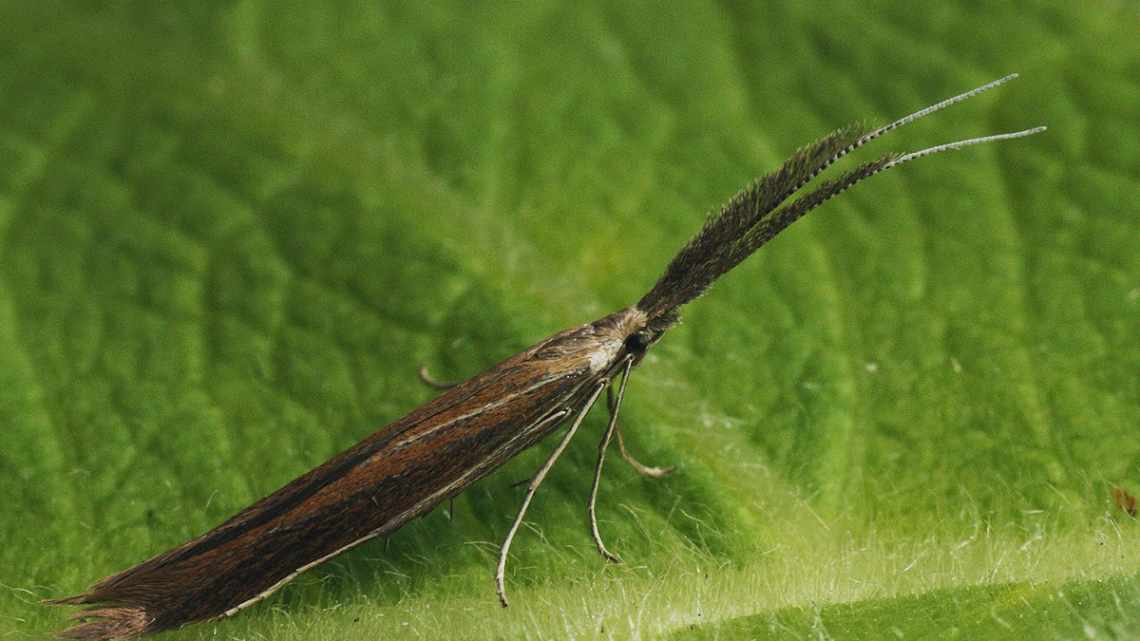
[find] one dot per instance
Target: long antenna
(958, 144)
(788, 214)
(754, 216)
(905, 120)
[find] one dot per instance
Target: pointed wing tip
(105, 624)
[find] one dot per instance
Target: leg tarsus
(433, 382)
(641, 468)
(591, 505)
(501, 568)
(638, 466)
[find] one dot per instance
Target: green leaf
(230, 232)
(1097, 609)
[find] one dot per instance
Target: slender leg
(500, 571)
(641, 468)
(591, 505)
(431, 381)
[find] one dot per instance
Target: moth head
(633, 330)
(639, 342)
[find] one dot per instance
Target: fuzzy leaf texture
(230, 232)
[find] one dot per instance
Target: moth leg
(501, 569)
(591, 505)
(638, 466)
(427, 379)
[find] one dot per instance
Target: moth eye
(640, 340)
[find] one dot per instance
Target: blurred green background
(231, 231)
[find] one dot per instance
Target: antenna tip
(1037, 130)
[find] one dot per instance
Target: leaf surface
(230, 232)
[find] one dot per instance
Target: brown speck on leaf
(1124, 501)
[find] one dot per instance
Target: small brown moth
(406, 468)
(1124, 500)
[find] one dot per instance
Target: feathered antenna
(751, 218)
(767, 228)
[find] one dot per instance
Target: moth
(1124, 500)
(409, 466)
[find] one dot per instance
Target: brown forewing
(374, 487)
